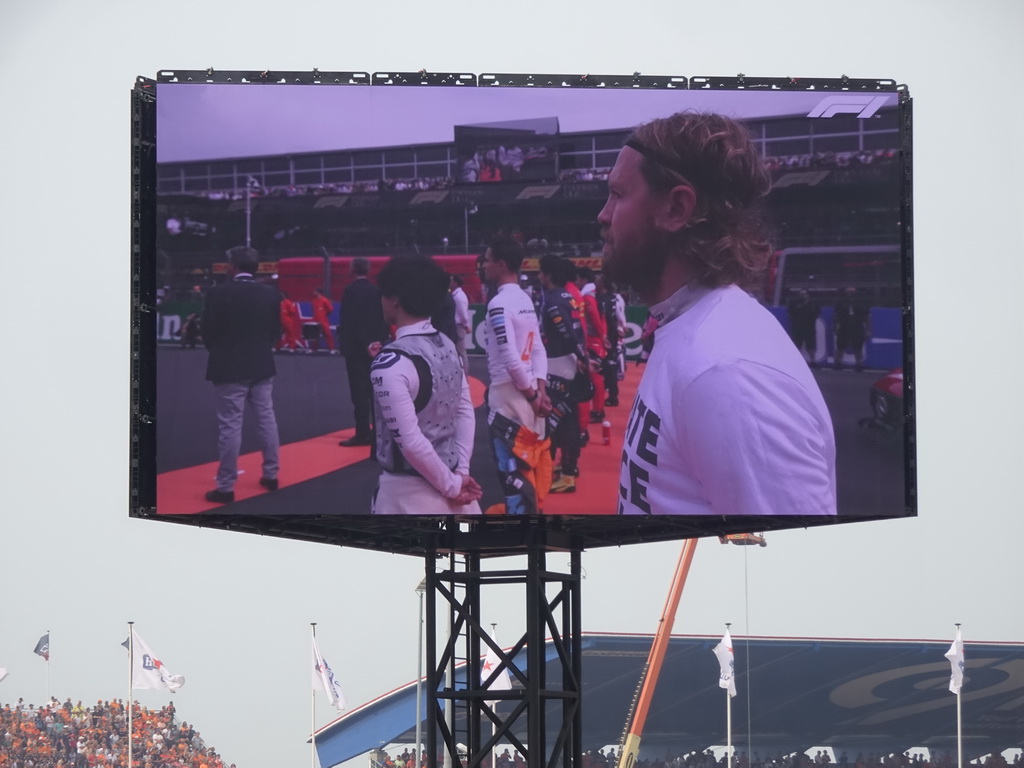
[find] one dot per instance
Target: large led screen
(685, 301)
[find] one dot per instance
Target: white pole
(449, 716)
(131, 681)
(420, 590)
(49, 652)
(312, 709)
(728, 714)
(449, 708)
(959, 734)
(728, 727)
(493, 705)
(959, 719)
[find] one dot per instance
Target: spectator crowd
(66, 735)
(600, 758)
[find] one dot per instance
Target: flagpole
(494, 706)
(131, 682)
(728, 716)
(420, 590)
(49, 646)
(959, 734)
(312, 699)
(959, 719)
(449, 707)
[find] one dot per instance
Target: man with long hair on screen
(517, 366)
(424, 415)
(241, 323)
(728, 418)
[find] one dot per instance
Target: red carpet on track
(181, 491)
(597, 488)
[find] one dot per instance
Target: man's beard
(642, 273)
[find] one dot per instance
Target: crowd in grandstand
(832, 159)
(823, 160)
(341, 188)
(66, 735)
(584, 174)
(822, 759)
(196, 232)
(600, 758)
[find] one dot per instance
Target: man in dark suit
(241, 323)
(362, 323)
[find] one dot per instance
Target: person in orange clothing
(596, 331)
(573, 290)
(580, 312)
(291, 325)
(322, 308)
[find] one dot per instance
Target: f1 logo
(849, 103)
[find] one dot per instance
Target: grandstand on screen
(827, 177)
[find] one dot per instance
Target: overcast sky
(231, 612)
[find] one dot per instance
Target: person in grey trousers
(241, 323)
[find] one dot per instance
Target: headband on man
(660, 159)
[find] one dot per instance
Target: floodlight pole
(249, 181)
(467, 209)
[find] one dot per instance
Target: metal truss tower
(540, 715)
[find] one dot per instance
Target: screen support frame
(142, 419)
(458, 590)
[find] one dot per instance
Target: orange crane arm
(630, 747)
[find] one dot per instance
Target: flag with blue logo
(147, 669)
(726, 663)
(324, 679)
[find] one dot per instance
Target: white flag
(3, 673)
(491, 662)
(324, 679)
(148, 671)
(727, 664)
(955, 654)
